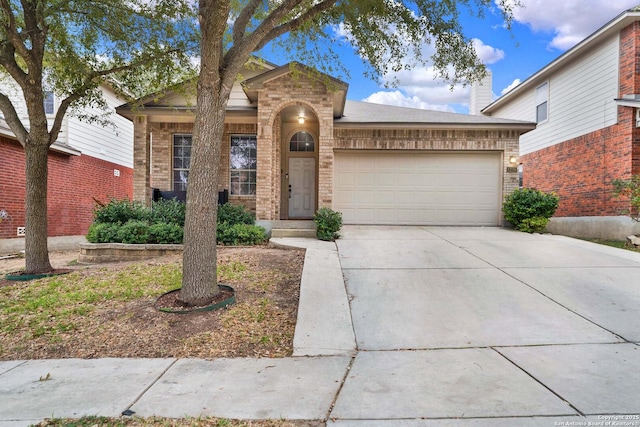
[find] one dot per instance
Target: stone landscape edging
(111, 252)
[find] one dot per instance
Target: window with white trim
(542, 103)
(243, 165)
(49, 105)
(181, 161)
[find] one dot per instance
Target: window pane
(181, 161)
(541, 112)
(48, 102)
(243, 164)
(302, 141)
(180, 180)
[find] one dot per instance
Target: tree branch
(240, 26)
(11, 30)
(12, 119)
(296, 23)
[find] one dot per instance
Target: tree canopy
(71, 47)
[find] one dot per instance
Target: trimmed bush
(168, 211)
(166, 233)
(240, 234)
(103, 233)
(232, 214)
(134, 231)
(328, 223)
(529, 210)
(120, 212)
(123, 221)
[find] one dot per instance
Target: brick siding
(74, 182)
(581, 170)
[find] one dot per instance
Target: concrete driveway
(476, 326)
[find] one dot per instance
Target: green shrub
(103, 233)
(629, 188)
(134, 231)
(232, 214)
(168, 211)
(328, 223)
(534, 225)
(529, 210)
(124, 221)
(120, 212)
(166, 233)
(240, 234)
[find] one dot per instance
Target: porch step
(293, 232)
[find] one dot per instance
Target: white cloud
(400, 99)
(569, 20)
(487, 54)
(513, 84)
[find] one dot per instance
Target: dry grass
(108, 311)
(166, 422)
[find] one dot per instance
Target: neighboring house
(293, 143)
(586, 104)
(87, 162)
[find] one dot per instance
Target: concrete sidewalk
(399, 326)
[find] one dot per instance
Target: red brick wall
(581, 170)
(73, 183)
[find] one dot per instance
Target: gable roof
(611, 28)
(359, 114)
(339, 88)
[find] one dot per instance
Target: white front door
(302, 188)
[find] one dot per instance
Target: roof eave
(612, 27)
(522, 127)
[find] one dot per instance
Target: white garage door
(418, 188)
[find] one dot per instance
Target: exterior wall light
(301, 120)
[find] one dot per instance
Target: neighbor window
(520, 175)
(48, 102)
(542, 103)
(243, 164)
(302, 141)
(181, 161)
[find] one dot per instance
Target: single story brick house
(293, 143)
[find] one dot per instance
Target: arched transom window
(302, 141)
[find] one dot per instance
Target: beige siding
(580, 100)
(110, 143)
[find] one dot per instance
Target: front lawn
(108, 310)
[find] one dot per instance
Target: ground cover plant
(620, 244)
(108, 310)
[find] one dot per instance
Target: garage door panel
(418, 188)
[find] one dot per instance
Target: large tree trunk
(199, 278)
(36, 252)
(199, 269)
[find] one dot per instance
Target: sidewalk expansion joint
(539, 382)
(344, 380)
(127, 411)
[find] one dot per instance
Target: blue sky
(542, 30)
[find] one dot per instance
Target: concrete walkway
(400, 326)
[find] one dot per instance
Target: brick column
(141, 160)
(325, 158)
(264, 188)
